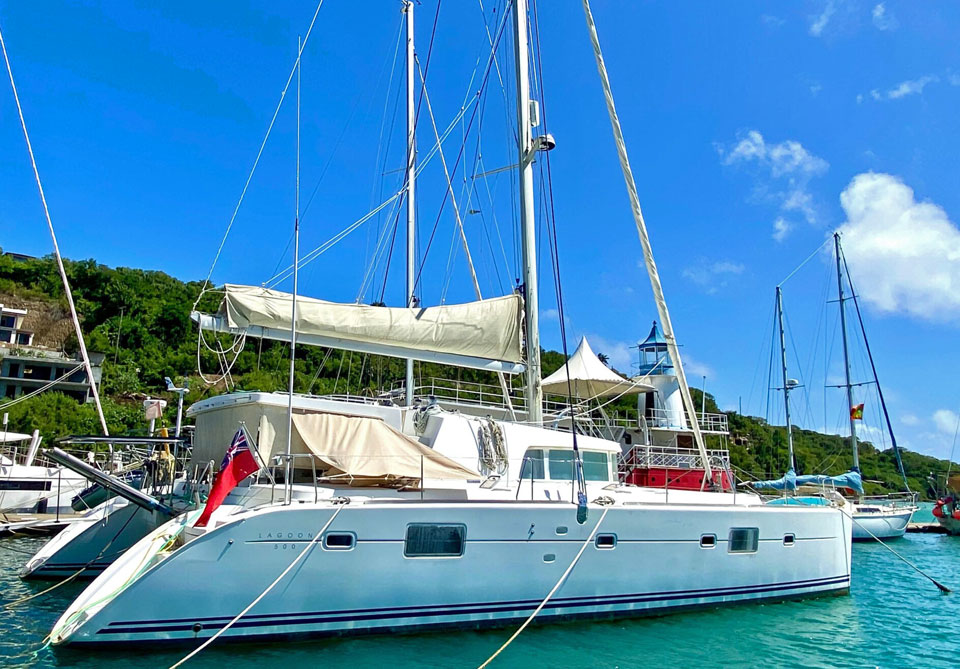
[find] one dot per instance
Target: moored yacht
(423, 516)
(29, 482)
(454, 548)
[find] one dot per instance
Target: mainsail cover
(790, 481)
(366, 450)
(486, 329)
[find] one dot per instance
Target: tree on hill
(141, 319)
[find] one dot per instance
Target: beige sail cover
(366, 450)
(589, 377)
(489, 329)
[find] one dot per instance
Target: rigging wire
(56, 247)
(256, 161)
(883, 404)
(473, 116)
(581, 484)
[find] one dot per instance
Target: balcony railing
(646, 457)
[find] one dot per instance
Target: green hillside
(141, 321)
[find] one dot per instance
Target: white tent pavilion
(590, 378)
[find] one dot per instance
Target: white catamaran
(418, 516)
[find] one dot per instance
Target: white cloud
(618, 352)
(953, 79)
(772, 21)
(904, 255)
(784, 159)
(911, 86)
(712, 276)
(788, 168)
(695, 369)
(550, 315)
(781, 228)
(909, 419)
(819, 22)
(946, 421)
(883, 20)
(815, 89)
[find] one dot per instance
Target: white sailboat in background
(874, 517)
(418, 517)
(29, 483)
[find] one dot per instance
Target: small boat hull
(880, 522)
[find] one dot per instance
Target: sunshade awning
(589, 377)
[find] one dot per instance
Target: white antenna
(293, 319)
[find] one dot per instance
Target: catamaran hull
(31, 488)
(513, 555)
(882, 525)
(90, 545)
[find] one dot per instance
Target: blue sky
(755, 129)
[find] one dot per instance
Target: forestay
(485, 334)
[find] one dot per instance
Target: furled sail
(485, 334)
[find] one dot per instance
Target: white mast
(846, 357)
(56, 249)
(287, 481)
(411, 178)
(527, 223)
(786, 384)
(645, 243)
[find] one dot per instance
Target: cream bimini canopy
(367, 451)
(485, 334)
(363, 449)
(590, 378)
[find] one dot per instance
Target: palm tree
(603, 358)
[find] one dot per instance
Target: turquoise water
(892, 618)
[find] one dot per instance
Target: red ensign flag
(237, 465)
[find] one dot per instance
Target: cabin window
(561, 464)
(606, 541)
(434, 540)
(743, 540)
(596, 467)
(789, 539)
(339, 541)
(533, 464)
(708, 541)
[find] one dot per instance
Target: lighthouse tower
(662, 407)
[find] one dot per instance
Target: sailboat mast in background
(846, 356)
(787, 385)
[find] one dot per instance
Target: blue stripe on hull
(561, 608)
